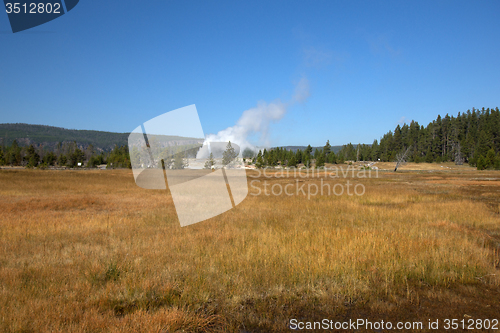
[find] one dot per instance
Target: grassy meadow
(89, 251)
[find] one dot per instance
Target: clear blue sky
(112, 65)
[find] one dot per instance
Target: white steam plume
(256, 121)
(301, 90)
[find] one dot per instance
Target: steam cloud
(301, 90)
(256, 121)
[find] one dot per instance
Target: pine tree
(62, 160)
(78, 156)
(374, 151)
(308, 150)
(496, 163)
(317, 152)
(14, 155)
(398, 142)
(327, 148)
(480, 163)
(483, 145)
(332, 158)
(179, 161)
(298, 156)
(32, 158)
(260, 162)
(49, 159)
(320, 161)
(229, 155)
(210, 162)
(428, 155)
(490, 158)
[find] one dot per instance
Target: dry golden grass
(444, 166)
(89, 251)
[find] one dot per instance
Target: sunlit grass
(91, 251)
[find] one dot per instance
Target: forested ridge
(470, 137)
(50, 136)
(472, 134)
(47, 146)
(44, 146)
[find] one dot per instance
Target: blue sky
(112, 65)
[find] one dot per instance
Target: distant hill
(49, 136)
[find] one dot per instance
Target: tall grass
(91, 251)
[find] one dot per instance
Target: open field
(89, 251)
(445, 166)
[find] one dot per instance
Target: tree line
(471, 137)
(65, 154)
(287, 158)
